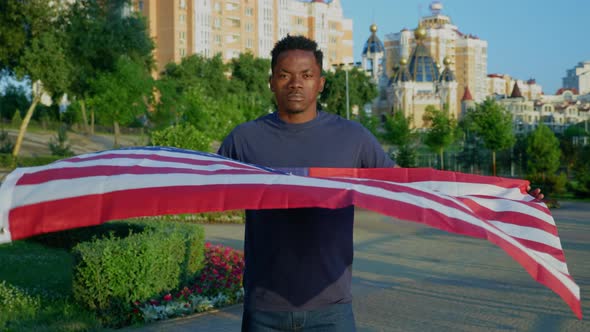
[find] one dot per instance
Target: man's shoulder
(252, 125)
(334, 119)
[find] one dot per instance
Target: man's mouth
(295, 97)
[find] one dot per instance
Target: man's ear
(322, 83)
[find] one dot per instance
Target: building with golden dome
(440, 39)
(419, 81)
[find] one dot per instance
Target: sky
(526, 39)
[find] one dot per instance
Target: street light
(346, 67)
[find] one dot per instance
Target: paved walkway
(408, 277)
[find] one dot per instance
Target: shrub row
(8, 161)
(113, 272)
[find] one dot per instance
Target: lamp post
(346, 67)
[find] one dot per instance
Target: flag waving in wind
(94, 188)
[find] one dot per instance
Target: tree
(441, 131)
(249, 82)
(397, 131)
(543, 152)
(38, 52)
(361, 90)
(179, 81)
(120, 96)
(90, 26)
(493, 124)
(14, 98)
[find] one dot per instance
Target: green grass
(45, 275)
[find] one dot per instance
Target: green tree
(543, 152)
(249, 82)
(493, 124)
(361, 90)
(91, 25)
(569, 150)
(441, 131)
(581, 169)
(178, 83)
(35, 50)
(397, 131)
(121, 96)
(13, 98)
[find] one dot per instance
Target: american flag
(94, 188)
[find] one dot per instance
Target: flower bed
(218, 284)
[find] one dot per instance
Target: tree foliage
(31, 46)
(397, 131)
(543, 152)
(493, 124)
(98, 35)
(441, 131)
(361, 90)
(122, 95)
(184, 136)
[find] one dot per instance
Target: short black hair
(290, 43)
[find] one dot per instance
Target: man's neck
(296, 118)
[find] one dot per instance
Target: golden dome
(447, 61)
(420, 33)
(403, 61)
(373, 27)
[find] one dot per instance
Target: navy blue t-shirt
(300, 259)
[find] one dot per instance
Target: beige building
(230, 27)
(502, 85)
(555, 111)
(467, 53)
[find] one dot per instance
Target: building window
(182, 35)
(182, 4)
(249, 27)
(299, 21)
(181, 18)
(249, 43)
(249, 11)
(217, 7)
(217, 39)
(182, 52)
(217, 22)
(140, 5)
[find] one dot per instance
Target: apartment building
(230, 27)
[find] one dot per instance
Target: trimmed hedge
(111, 273)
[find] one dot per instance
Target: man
(299, 261)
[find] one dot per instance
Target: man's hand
(535, 193)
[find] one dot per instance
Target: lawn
(44, 299)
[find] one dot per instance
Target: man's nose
(295, 82)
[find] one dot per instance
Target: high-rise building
(466, 53)
(230, 27)
(578, 78)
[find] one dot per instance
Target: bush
(58, 144)
(6, 145)
(184, 136)
(16, 119)
(218, 284)
(16, 305)
(112, 272)
(550, 185)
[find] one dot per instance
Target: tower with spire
(373, 54)
(418, 82)
(441, 39)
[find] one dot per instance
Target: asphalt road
(408, 277)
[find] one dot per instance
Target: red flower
(167, 297)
